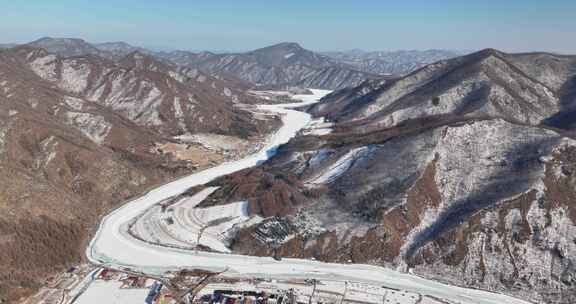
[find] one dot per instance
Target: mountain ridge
(273, 65)
(450, 171)
(283, 65)
(79, 134)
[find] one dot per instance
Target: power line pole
(345, 290)
(384, 297)
(313, 290)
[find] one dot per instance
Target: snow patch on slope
(74, 103)
(332, 172)
(93, 126)
(44, 67)
(74, 76)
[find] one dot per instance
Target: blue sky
(510, 25)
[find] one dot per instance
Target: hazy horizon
(513, 26)
(162, 48)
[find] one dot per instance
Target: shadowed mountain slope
(453, 171)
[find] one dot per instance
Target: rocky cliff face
(454, 171)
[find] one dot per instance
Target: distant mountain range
(279, 66)
(393, 62)
(68, 47)
(120, 49)
(7, 45)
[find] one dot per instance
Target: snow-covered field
(114, 247)
(109, 292)
(183, 225)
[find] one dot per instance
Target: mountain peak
(138, 54)
(58, 40)
(488, 52)
(119, 48)
(481, 56)
(282, 47)
(116, 43)
(293, 45)
(116, 46)
(142, 61)
(285, 53)
(66, 46)
(285, 46)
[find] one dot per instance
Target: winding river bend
(112, 246)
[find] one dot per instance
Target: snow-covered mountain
(119, 48)
(80, 134)
(68, 47)
(273, 65)
(146, 91)
(461, 171)
(278, 66)
(391, 62)
(185, 58)
(281, 65)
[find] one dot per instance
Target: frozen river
(113, 247)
